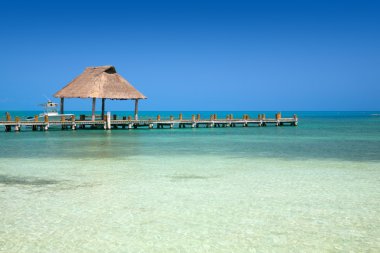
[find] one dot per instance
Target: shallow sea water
(312, 188)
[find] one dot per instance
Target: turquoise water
(312, 188)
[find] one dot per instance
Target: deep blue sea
(311, 188)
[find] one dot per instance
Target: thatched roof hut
(100, 82)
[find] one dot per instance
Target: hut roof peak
(106, 68)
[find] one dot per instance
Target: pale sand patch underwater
(192, 204)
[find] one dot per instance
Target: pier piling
(8, 116)
(17, 126)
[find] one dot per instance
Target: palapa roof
(99, 82)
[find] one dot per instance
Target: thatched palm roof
(99, 82)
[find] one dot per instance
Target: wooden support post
(278, 119)
(8, 116)
(34, 127)
(93, 109)
(114, 117)
(73, 125)
(108, 120)
(136, 109)
(124, 118)
(103, 107)
(105, 122)
(17, 126)
(46, 121)
(62, 105)
(295, 123)
(82, 118)
(62, 121)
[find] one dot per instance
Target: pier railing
(113, 121)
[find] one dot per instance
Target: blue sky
(196, 55)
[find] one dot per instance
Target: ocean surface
(311, 188)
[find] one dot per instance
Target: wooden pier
(113, 122)
(103, 82)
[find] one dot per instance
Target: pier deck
(107, 123)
